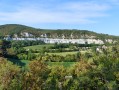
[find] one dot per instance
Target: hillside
(11, 29)
(16, 30)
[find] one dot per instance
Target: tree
(34, 79)
(3, 47)
(8, 73)
(56, 78)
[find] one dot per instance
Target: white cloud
(70, 12)
(85, 6)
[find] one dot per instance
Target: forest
(34, 65)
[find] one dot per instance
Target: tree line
(99, 73)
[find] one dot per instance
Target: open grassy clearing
(63, 53)
(38, 46)
(24, 63)
(65, 64)
(66, 53)
(56, 53)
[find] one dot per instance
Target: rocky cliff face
(21, 32)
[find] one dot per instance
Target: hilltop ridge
(17, 30)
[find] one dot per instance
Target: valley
(75, 59)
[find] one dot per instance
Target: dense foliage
(3, 47)
(98, 73)
(26, 43)
(8, 74)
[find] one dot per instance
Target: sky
(101, 16)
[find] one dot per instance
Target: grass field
(38, 46)
(24, 63)
(63, 53)
(49, 45)
(65, 64)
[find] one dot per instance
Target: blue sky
(100, 16)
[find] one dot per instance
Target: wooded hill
(16, 29)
